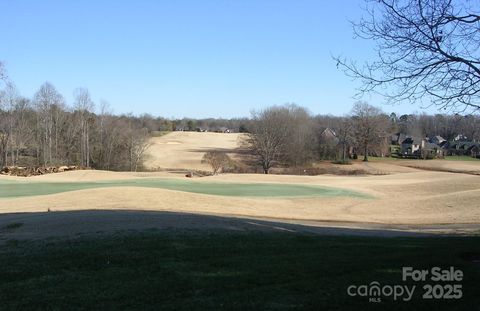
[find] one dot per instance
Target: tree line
(289, 136)
(45, 131)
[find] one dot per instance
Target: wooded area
(46, 131)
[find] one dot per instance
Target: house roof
(412, 140)
(460, 145)
(437, 138)
(445, 144)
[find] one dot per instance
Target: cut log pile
(26, 171)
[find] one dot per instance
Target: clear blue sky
(177, 58)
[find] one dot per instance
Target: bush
(219, 161)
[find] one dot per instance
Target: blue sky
(177, 58)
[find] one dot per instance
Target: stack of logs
(26, 171)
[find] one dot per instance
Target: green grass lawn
(228, 271)
(20, 189)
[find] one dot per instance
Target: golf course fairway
(12, 189)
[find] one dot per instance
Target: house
(329, 135)
(461, 148)
(410, 146)
(328, 144)
(460, 137)
(456, 148)
(415, 147)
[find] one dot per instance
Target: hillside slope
(184, 150)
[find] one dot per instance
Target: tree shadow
(40, 225)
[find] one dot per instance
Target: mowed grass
(159, 270)
(21, 189)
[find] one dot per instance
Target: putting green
(21, 189)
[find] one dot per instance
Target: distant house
(461, 148)
(410, 146)
(329, 144)
(455, 148)
(329, 135)
(415, 147)
(460, 137)
(437, 147)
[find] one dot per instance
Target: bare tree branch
(428, 50)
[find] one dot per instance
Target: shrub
(219, 161)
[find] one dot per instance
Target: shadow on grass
(173, 261)
(73, 223)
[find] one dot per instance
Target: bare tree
(105, 142)
(23, 129)
(138, 144)
(84, 105)
(45, 100)
(3, 73)
(427, 50)
(219, 161)
(370, 125)
(301, 138)
(345, 134)
(4, 131)
(10, 101)
(5, 118)
(268, 135)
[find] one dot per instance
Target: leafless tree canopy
(282, 134)
(269, 133)
(46, 131)
(426, 50)
(83, 107)
(3, 74)
(219, 161)
(346, 136)
(370, 126)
